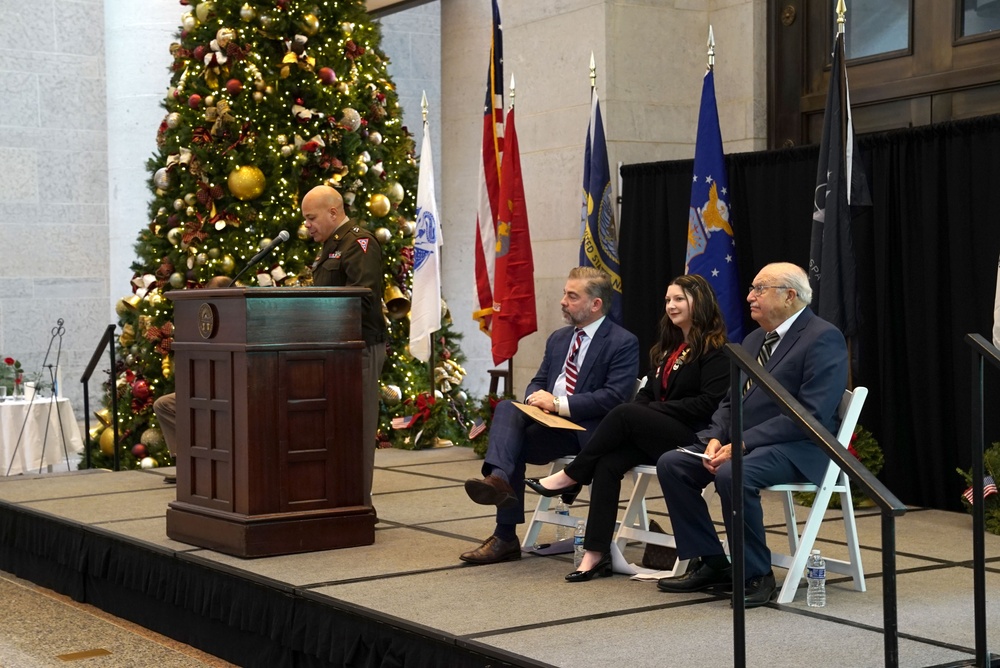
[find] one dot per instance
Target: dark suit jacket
(693, 390)
(811, 363)
(606, 378)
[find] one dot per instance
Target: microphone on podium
(281, 238)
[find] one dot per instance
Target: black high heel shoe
(601, 570)
(568, 494)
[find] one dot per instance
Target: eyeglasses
(759, 289)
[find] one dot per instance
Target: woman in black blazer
(688, 378)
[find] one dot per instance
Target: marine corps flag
(599, 239)
(840, 182)
(711, 248)
(514, 284)
(488, 204)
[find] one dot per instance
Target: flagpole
(711, 47)
(841, 20)
(511, 91)
(430, 359)
(842, 32)
(593, 73)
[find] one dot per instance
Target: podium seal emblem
(207, 321)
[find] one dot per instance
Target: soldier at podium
(352, 257)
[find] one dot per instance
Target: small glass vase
(19, 385)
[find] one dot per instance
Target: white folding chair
(543, 513)
(546, 514)
(634, 524)
(801, 544)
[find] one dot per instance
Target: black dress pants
(630, 435)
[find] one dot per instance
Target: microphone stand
(259, 256)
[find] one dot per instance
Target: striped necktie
(571, 369)
(770, 339)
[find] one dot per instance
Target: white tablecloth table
(38, 448)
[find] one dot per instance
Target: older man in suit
(588, 368)
(808, 356)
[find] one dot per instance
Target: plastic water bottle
(578, 550)
(816, 576)
(562, 530)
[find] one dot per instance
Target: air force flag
(425, 314)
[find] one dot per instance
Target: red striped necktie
(571, 368)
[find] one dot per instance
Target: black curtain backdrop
(927, 254)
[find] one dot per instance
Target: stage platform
(407, 600)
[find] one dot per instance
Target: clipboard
(547, 419)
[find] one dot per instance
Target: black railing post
(978, 509)
(736, 545)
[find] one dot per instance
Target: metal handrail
(981, 350)
(891, 507)
(107, 341)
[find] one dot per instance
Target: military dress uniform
(352, 257)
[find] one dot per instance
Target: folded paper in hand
(547, 419)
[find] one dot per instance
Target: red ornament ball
(327, 75)
(199, 53)
(194, 101)
(234, 86)
(140, 389)
(138, 450)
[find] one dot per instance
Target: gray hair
(794, 277)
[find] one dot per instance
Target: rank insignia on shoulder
(364, 244)
(356, 229)
(335, 255)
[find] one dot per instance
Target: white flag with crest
(425, 312)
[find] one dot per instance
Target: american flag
(477, 428)
(989, 487)
(403, 422)
(488, 206)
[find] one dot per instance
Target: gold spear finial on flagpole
(841, 12)
(711, 47)
(511, 91)
(423, 106)
(593, 72)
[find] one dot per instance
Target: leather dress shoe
(601, 569)
(491, 491)
(568, 494)
(493, 551)
(758, 590)
(699, 578)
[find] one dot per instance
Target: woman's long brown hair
(708, 328)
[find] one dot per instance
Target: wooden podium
(269, 420)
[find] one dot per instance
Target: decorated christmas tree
(267, 100)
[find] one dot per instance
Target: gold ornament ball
(350, 119)
(190, 199)
(177, 280)
(310, 24)
(287, 151)
(178, 204)
(163, 179)
(247, 13)
(246, 182)
(175, 235)
(173, 120)
(362, 168)
(214, 253)
(375, 137)
(383, 235)
(152, 438)
(379, 205)
(201, 259)
(108, 442)
(189, 21)
(154, 298)
(395, 192)
(148, 463)
(347, 28)
(228, 263)
(408, 228)
(303, 232)
(204, 10)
